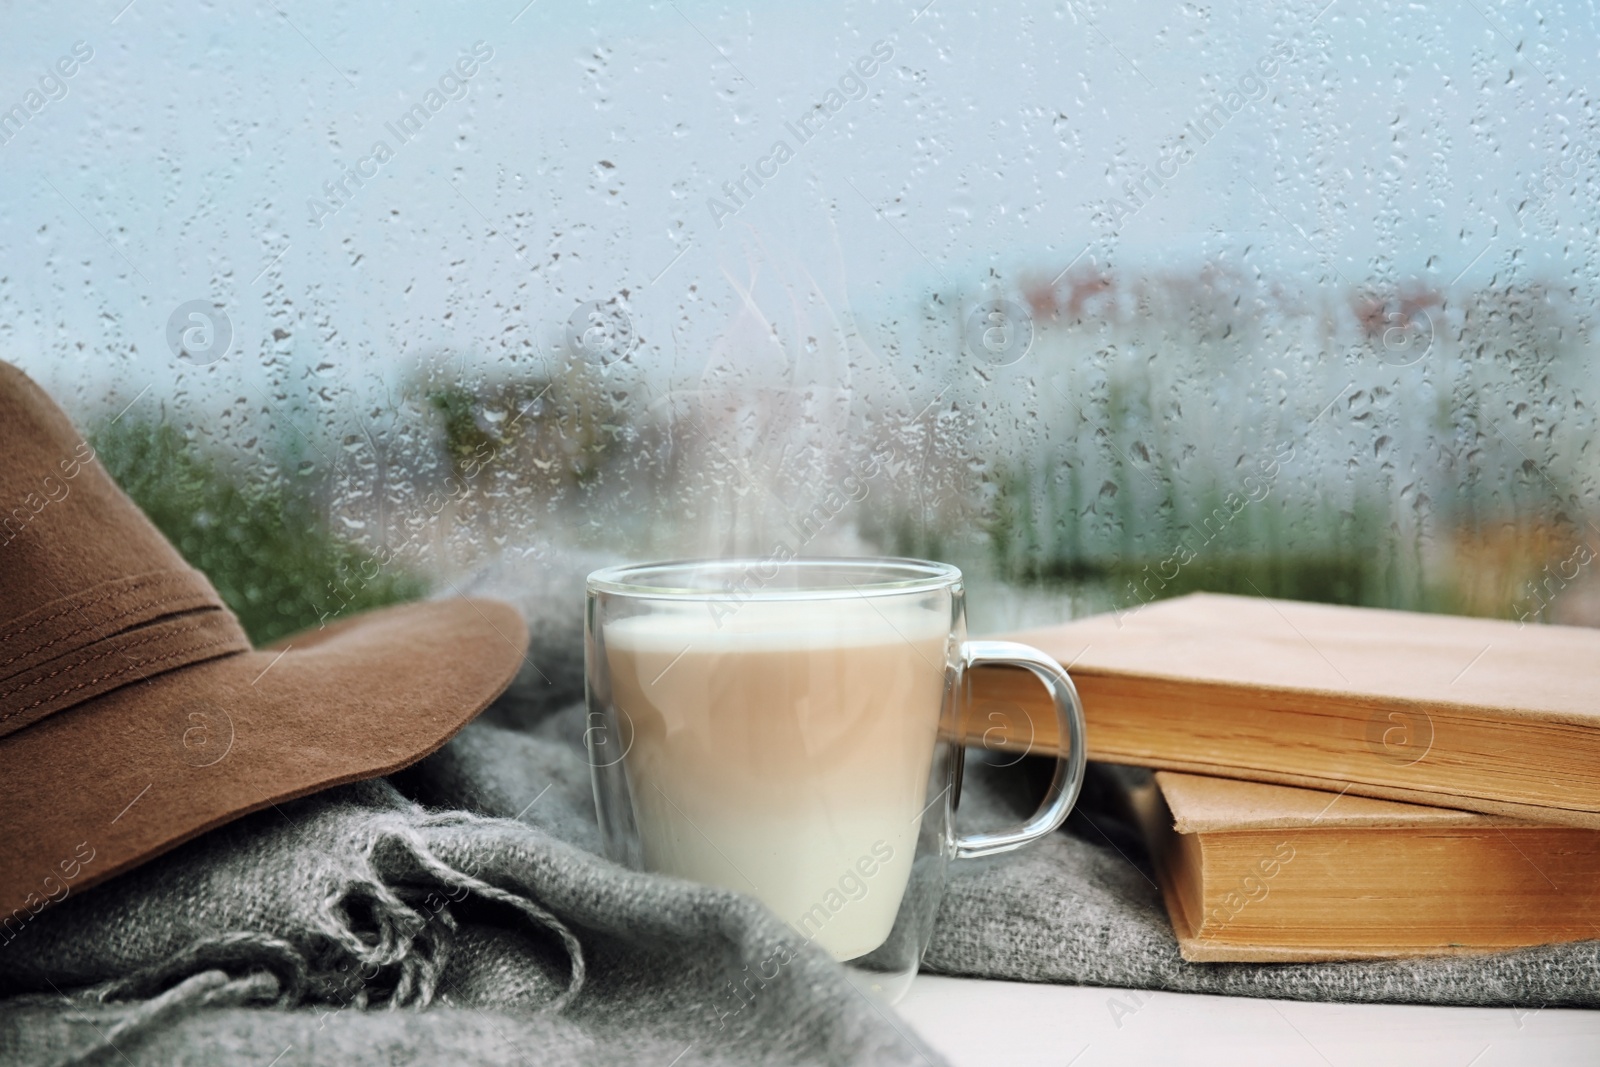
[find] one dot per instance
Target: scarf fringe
(411, 946)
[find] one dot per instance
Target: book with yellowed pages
(1269, 873)
(1478, 714)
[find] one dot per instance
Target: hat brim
(128, 775)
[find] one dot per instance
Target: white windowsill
(1016, 1024)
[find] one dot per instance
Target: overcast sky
(580, 158)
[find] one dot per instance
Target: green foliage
(568, 438)
(465, 441)
(1205, 540)
(263, 546)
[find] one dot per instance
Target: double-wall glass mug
(792, 729)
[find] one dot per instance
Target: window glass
(1100, 302)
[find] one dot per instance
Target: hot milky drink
(783, 749)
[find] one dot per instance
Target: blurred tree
(264, 546)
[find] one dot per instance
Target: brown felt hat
(134, 714)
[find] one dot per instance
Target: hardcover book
(1478, 714)
(1255, 872)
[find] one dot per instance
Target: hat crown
(64, 524)
(92, 596)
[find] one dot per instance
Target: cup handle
(1068, 779)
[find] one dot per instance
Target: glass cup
(792, 729)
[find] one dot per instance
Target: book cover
(1257, 872)
(1479, 714)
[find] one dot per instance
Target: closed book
(1479, 714)
(1268, 873)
